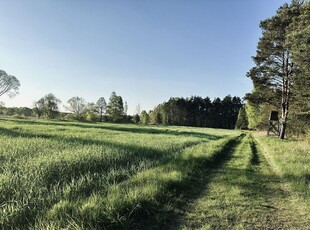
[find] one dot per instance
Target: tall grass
(79, 175)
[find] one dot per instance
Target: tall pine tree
(298, 40)
(273, 73)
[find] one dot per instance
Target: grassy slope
(60, 174)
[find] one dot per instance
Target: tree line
(195, 111)
(78, 109)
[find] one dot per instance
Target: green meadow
(74, 175)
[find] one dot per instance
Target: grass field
(57, 174)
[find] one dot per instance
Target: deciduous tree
(50, 104)
(145, 117)
(39, 107)
(76, 105)
(8, 84)
(101, 107)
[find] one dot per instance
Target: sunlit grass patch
(291, 158)
(150, 194)
(81, 175)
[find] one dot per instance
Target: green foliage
(115, 108)
(196, 111)
(76, 105)
(39, 107)
(2, 107)
(75, 117)
(156, 116)
(21, 111)
(281, 75)
(17, 116)
(144, 117)
(299, 123)
(101, 108)
(258, 115)
(9, 84)
(9, 111)
(125, 108)
(90, 116)
(48, 106)
(298, 40)
(136, 119)
(242, 120)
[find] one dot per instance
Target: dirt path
(244, 194)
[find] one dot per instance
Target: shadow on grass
(262, 188)
(261, 185)
(254, 158)
(257, 190)
(163, 211)
(55, 175)
(120, 127)
(159, 208)
(133, 155)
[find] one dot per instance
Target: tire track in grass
(244, 194)
(292, 210)
(188, 217)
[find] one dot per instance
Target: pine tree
(242, 120)
(274, 71)
(298, 40)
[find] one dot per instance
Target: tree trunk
(282, 130)
(285, 102)
(285, 108)
(285, 93)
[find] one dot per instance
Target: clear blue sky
(145, 50)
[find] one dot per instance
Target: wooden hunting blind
(273, 123)
(274, 116)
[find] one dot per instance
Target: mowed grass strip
(244, 194)
(46, 166)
